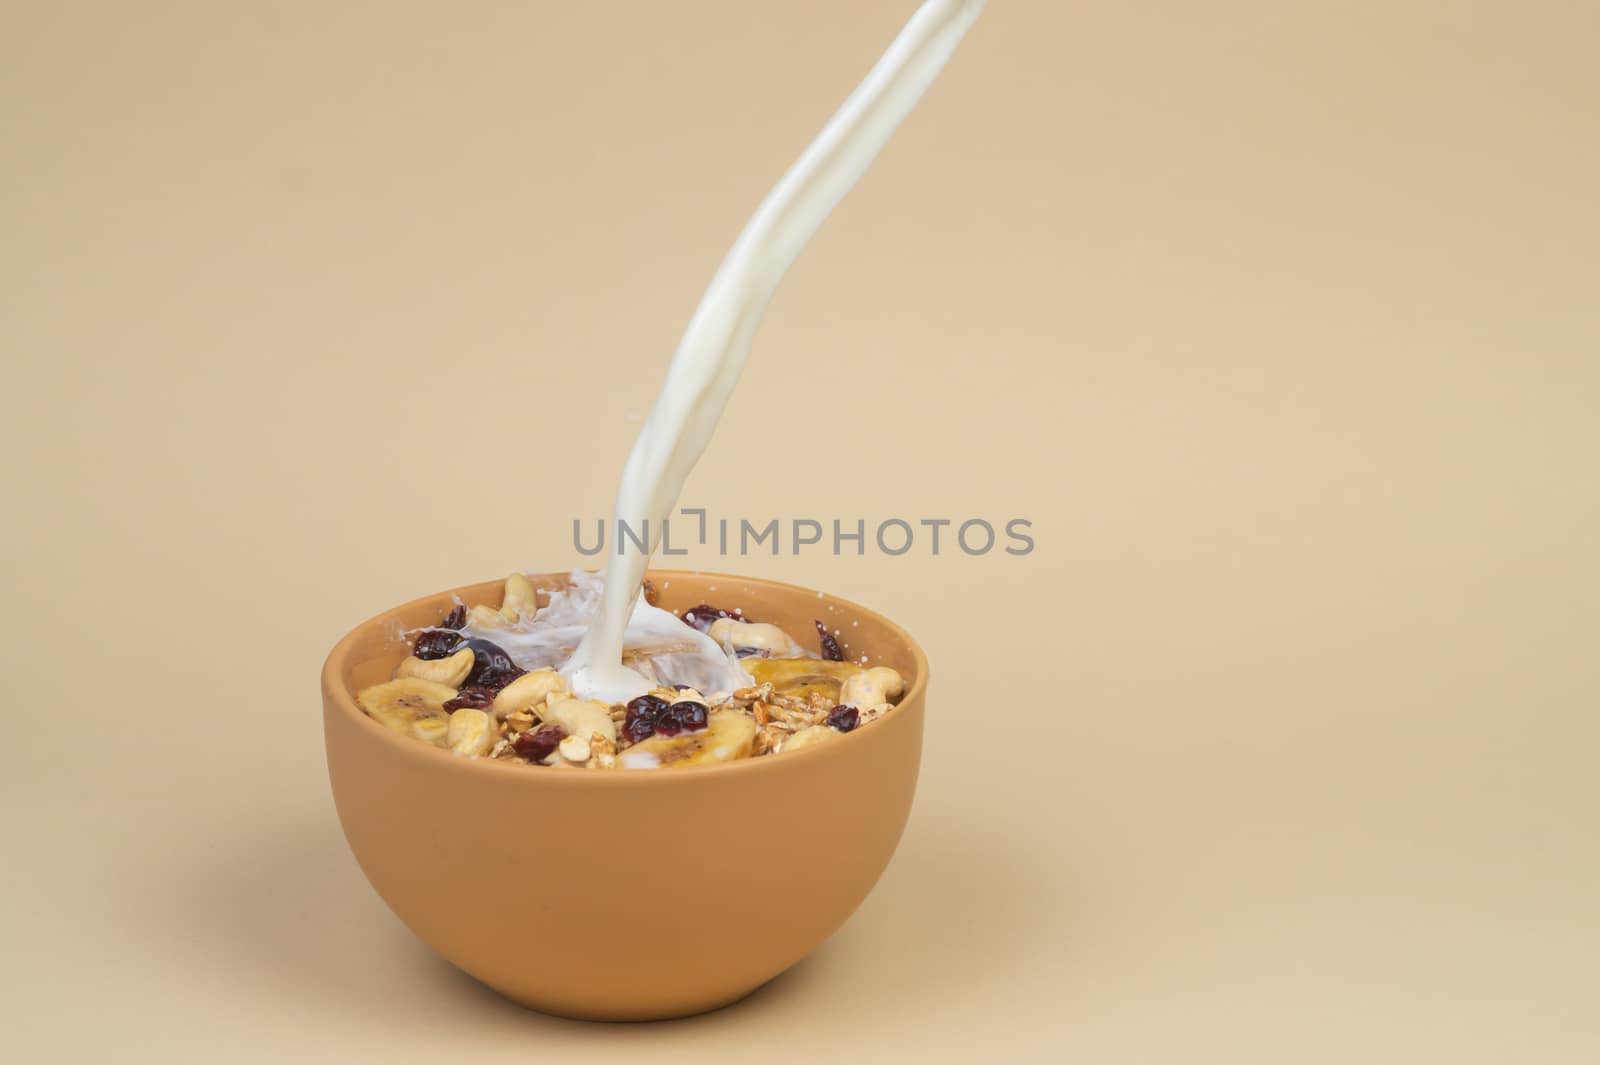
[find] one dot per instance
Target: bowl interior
(370, 653)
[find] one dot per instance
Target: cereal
(467, 694)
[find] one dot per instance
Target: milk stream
(717, 342)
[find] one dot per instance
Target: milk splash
(657, 640)
(717, 342)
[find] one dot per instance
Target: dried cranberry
(681, 717)
(643, 712)
(471, 699)
(537, 746)
(489, 658)
(691, 716)
(701, 617)
(436, 643)
(495, 679)
(843, 718)
(455, 619)
(647, 704)
(830, 646)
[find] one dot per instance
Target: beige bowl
(632, 894)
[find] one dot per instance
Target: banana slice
(451, 671)
(801, 676)
(809, 737)
(434, 730)
(728, 735)
(468, 731)
(410, 705)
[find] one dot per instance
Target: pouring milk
(706, 367)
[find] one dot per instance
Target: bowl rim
(337, 695)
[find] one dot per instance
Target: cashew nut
(575, 749)
(486, 617)
(449, 671)
(528, 691)
(580, 717)
(754, 636)
(871, 690)
(519, 601)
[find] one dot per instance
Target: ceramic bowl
(629, 894)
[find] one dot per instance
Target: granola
(463, 692)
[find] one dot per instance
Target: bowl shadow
(279, 906)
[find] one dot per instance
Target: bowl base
(571, 1011)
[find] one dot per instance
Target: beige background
(1279, 321)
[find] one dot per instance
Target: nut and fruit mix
(465, 693)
